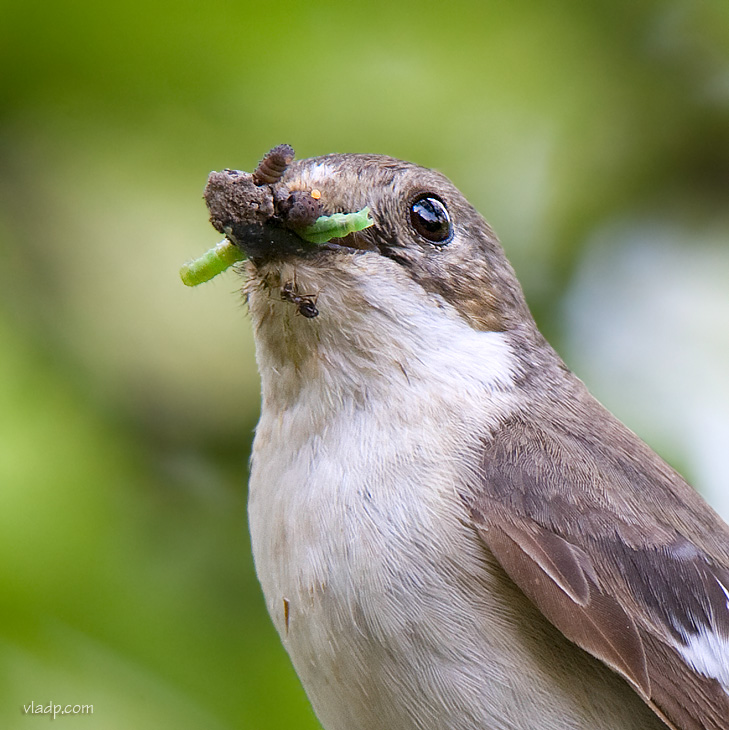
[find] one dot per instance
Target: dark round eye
(430, 219)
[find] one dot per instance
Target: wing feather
(616, 551)
(598, 624)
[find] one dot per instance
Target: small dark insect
(301, 209)
(273, 165)
(305, 303)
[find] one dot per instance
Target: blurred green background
(593, 136)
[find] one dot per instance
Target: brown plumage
(612, 545)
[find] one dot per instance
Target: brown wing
(617, 551)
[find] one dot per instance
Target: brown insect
(301, 209)
(305, 303)
(273, 165)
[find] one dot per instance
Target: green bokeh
(127, 402)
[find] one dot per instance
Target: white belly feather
(393, 613)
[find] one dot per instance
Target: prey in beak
(262, 219)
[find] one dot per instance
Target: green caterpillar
(338, 225)
(213, 262)
(224, 254)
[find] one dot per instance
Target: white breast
(393, 613)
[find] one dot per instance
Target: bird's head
(424, 274)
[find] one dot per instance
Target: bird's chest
(340, 513)
(357, 536)
(392, 612)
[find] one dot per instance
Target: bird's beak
(245, 213)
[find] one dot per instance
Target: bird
(450, 531)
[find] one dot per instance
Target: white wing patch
(708, 652)
(725, 591)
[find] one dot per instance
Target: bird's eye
(430, 219)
